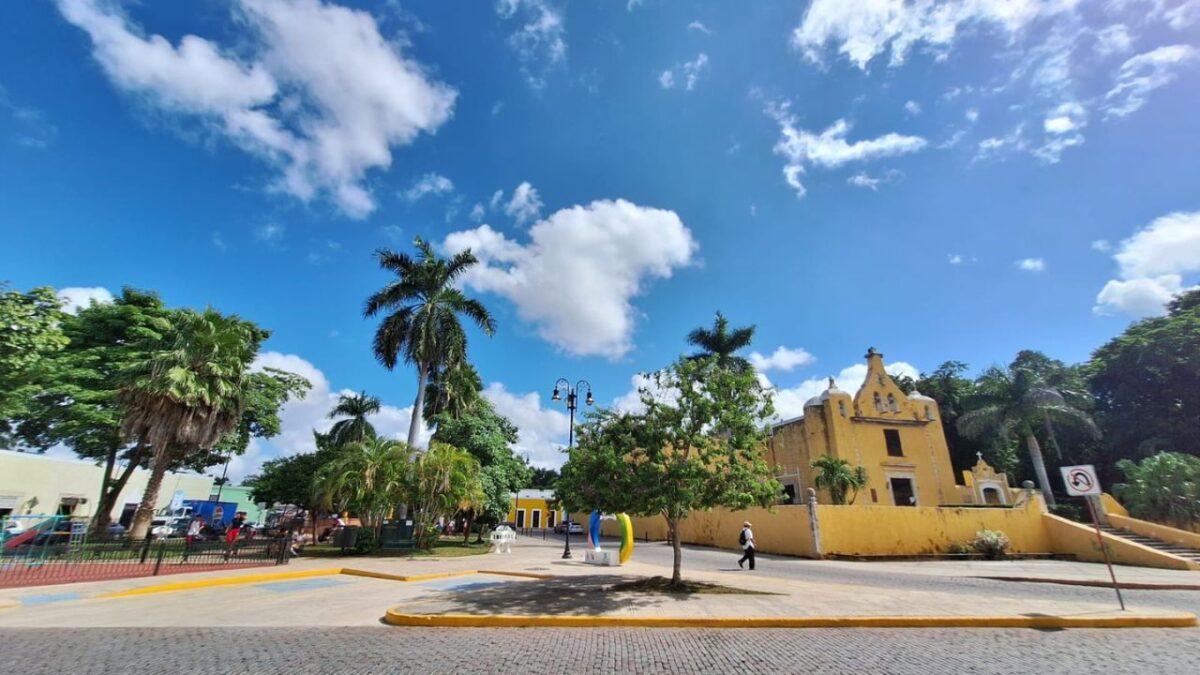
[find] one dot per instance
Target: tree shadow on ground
(576, 595)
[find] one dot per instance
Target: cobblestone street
(181, 651)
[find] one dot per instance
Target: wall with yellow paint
(891, 530)
(1080, 540)
(534, 509)
(784, 531)
(1112, 506)
(1170, 535)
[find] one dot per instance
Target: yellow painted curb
(221, 581)
(544, 621)
(284, 576)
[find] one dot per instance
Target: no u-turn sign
(1081, 480)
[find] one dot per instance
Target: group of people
(199, 528)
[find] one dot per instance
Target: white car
(575, 528)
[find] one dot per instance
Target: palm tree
(445, 480)
(423, 326)
(837, 476)
(181, 401)
(721, 342)
(369, 478)
(1016, 401)
(355, 428)
(453, 389)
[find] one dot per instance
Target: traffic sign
(1081, 480)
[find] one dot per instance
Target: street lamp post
(572, 404)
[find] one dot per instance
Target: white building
(37, 484)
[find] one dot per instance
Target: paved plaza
(330, 623)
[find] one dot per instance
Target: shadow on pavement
(577, 595)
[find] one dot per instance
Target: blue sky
(940, 180)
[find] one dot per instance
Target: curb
(303, 574)
(544, 621)
(1127, 585)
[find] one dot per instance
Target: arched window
(892, 405)
(928, 413)
(878, 403)
(842, 408)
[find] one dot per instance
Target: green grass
(445, 547)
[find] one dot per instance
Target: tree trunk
(676, 570)
(1052, 439)
(1039, 467)
(145, 511)
(111, 489)
(414, 426)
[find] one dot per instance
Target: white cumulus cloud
(323, 118)
(542, 431)
(1151, 266)
(429, 184)
(541, 40)
(576, 278)
(75, 298)
(829, 148)
(1031, 264)
(782, 358)
(525, 204)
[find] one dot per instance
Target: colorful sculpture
(626, 549)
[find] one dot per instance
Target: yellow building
(897, 438)
(534, 509)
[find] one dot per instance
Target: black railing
(59, 557)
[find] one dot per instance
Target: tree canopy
(698, 445)
(722, 342)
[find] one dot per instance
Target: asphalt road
(205, 651)
(871, 574)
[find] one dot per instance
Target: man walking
(746, 539)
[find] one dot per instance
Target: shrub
(365, 543)
(1070, 512)
(992, 544)
(960, 548)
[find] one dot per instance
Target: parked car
(563, 527)
(116, 531)
(169, 527)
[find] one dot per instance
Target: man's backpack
(742, 538)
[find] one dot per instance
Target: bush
(959, 548)
(1070, 512)
(992, 544)
(365, 543)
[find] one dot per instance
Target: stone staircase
(1157, 544)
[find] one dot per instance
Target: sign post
(1081, 481)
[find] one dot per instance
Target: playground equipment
(598, 556)
(503, 538)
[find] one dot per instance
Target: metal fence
(55, 554)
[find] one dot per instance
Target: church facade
(897, 438)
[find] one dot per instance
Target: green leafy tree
(1145, 385)
(77, 403)
(542, 479)
(1017, 401)
(422, 306)
(698, 445)
(368, 478)
(354, 428)
(489, 438)
(290, 480)
(30, 333)
(1163, 487)
(183, 400)
(723, 343)
(842, 480)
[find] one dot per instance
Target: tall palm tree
(721, 342)
(355, 428)
(1018, 401)
(453, 389)
(842, 480)
(182, 400)
(423, 326)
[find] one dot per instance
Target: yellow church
(898, 438)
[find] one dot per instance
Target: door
(537, 518)
(550, 519)
(902, 492)
(520, 518)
